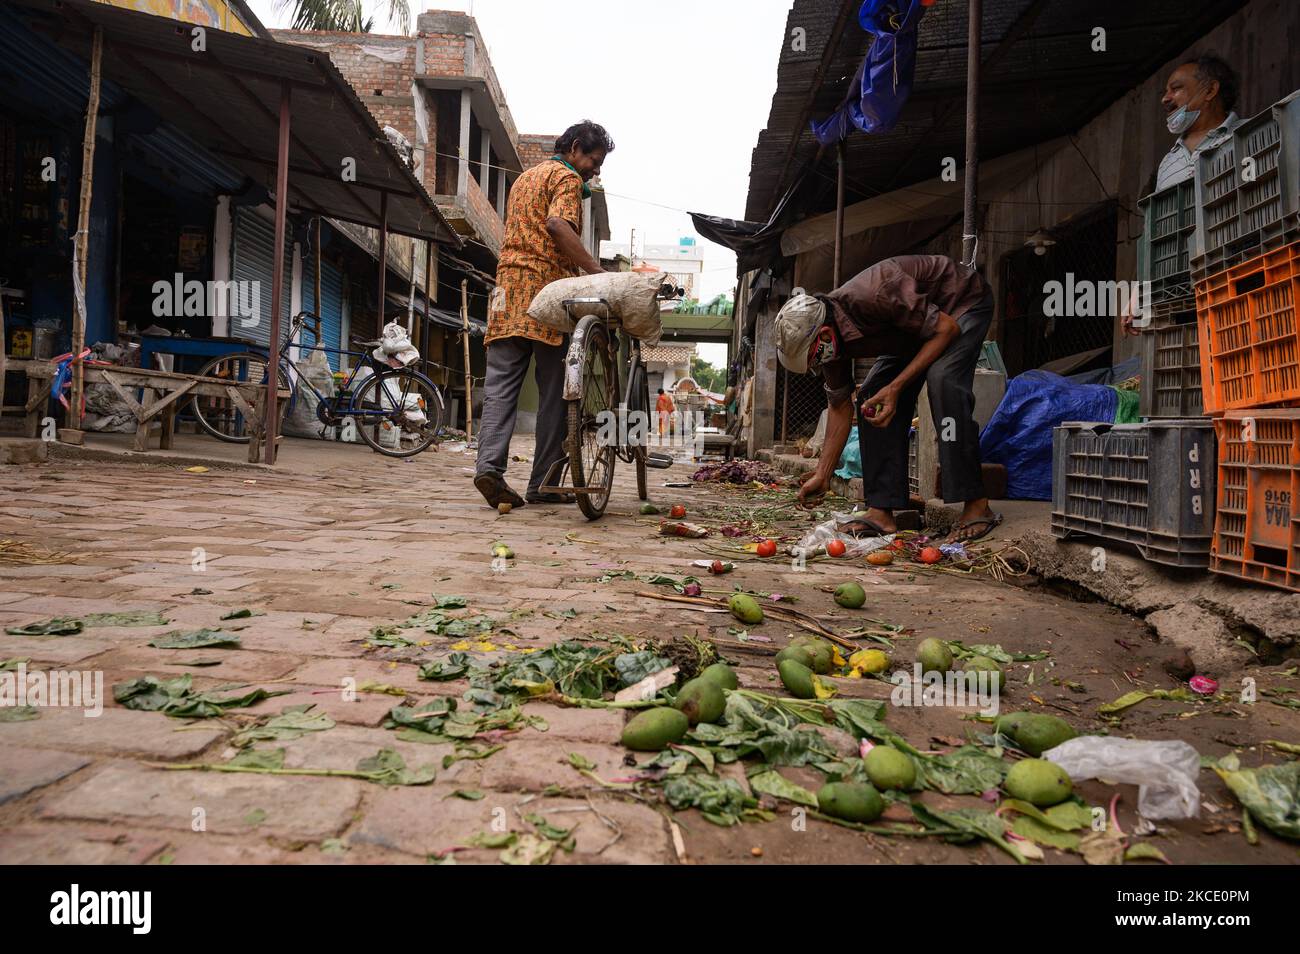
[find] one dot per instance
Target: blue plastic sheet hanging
(884, 80)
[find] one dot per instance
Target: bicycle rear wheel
(639, 411)
(220, 416)
(590, 446)
(402, 412)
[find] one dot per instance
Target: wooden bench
(160, 396)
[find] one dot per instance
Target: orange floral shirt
(529, 259)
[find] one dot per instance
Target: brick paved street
(346, 540)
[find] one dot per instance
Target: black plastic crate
(1151, 485)
(1171, 372)
(1167, 242)
(1248, 190)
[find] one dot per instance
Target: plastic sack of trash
(395, 347)
(302, 421)
(816, 539)
(1165, 771)
(632, 297)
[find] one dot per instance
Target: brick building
(439, 90)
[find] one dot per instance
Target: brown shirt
(529, 258)
(892, 307)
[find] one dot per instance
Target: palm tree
(342, 15)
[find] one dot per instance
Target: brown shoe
(496, 491)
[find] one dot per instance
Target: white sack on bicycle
(395, 347)
(632, 298)
(301, 421)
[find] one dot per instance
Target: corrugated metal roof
(1046, 81)
(226, 98)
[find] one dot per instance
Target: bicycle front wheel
(639, 410)
(220, 416)
(398, 414)
(592, 439)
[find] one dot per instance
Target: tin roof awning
(226, 96)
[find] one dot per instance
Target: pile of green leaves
(70, 625)
(178, 698)
(571, 668)
(293, 722)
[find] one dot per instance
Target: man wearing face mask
(1198, 101)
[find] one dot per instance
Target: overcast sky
(683, 86)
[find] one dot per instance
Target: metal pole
(428, 299)
(82, 238)
(410, 301)
(319, 308)
(785, 400)
(469, 381)
(839, 217)
(277, 278)
(383, 256)
(969, 241)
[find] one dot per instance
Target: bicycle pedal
(658, 461)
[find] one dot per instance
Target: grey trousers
(507, 363)
(951, 382)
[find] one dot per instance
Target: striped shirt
(1179, 163)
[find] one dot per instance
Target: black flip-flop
(496, 491)
(861, 527)
(989, 524)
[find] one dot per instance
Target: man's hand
(886, 403)
(812, 491)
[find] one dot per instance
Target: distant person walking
(542, 244)
(665, 407)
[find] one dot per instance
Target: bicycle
(594, 371)
(399, 412)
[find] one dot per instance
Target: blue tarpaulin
(1019, 435)
(884, 80)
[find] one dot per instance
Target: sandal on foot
(989, 523)
(863, 527)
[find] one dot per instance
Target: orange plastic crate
(1250, 339)
(1257, 521)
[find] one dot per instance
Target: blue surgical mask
(1181, 120)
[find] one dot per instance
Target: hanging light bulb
(1040, 241)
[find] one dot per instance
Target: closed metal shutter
(253, 240)
(331, 310)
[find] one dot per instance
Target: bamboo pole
(82, 238)
(272, 426)
(469, 381)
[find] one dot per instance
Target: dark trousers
(951, 380)
(507, 363)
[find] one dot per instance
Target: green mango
(889, 768)
(797, 678)
(984, 664)
(850, 595)
(850, 801)
(745, 608)
(1038, 782)
(800, 654)
(822, 652)
(934, 655)
(721, 675)
(701, 700)
(1036, 732)
(653, 729)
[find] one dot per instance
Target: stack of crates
(1247, 279)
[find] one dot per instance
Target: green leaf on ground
(1270, 793)
(971, 823)
(469, 794)
(255, 818)
(243, 614)
(195, 639)
(259, 759)
(177, 697)
(14, 663)
(129, 618)
(19, 713)
(778, 786)
(58, 626)
(968, 770)
(293, 722)
(388, 768)
(451, 666)
(1144, 851)
(1130, 699)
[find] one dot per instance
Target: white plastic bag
(395, 347)
(302, 420)
(631, 296)
(816, 539)
(1165, 772)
